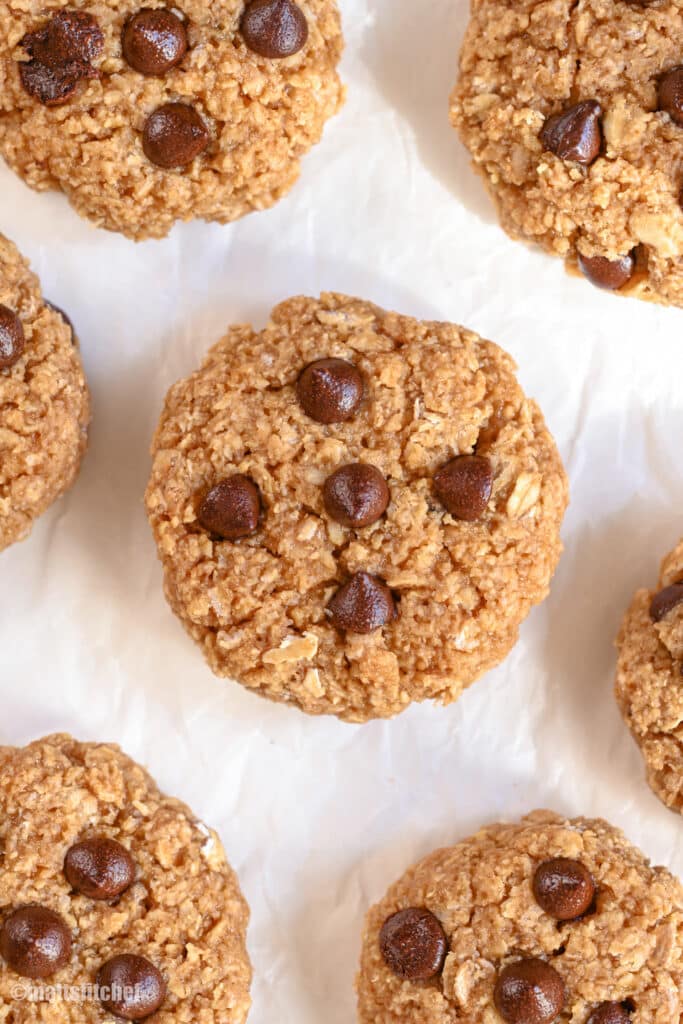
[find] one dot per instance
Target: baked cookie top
(572, 113)
(548, 920)
(649, 685)
(44, 401)
(115, 892)
(145, 114)
(354, 509)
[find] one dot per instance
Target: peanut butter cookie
(573, 114)
(649, 685)
(44, 401)
(549, 920)
(354, 510)
(116, 902)
(144, 115)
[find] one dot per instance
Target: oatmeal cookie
(144, 114)
(573, 114)
(44, 401)
(649, 686)
(548, 920)
(354, 510)
(111, 889)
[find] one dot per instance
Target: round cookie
(112, 890)
(310, 578)
(144, 114)
(548, 920)
(44, 400)
(649, 683)
(571, 114)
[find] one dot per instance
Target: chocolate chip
(274, 28)
(609, 1013)
(356, 495)
(61, 54)
(362, 605)
(563, 888)
(665, 601)
(464, 486)
(12, 339)
(413, 944)
(232, 508)
(576, 134)
(99, 868)
(330, 390)
(174, 136)
(671, 95)
(154, 41)
(69, 36)
(67, 319)
(609, 274)
(35, 941)
(529, 992)
(135, 987)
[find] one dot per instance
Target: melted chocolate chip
(174, 136)
(61, 55)
(609, 274)
(99, 868)
(529, 992)
(670, 95)
(274, 28)
(232, 508)
(464, 486)
(356, 495)
(12, 339)
(576, 134)
(330, 390)
(609, 1013)
(413, 944)
(35, 941)
(154, 41)
(362, 605)
(136, 988)
(665, 601)
(564, 888)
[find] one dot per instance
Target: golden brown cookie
(144, 114)
(113, 895)
(573, 115)
(354, 509)
(44, 400)
(549, 920)
(649, 684)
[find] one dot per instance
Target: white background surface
(319, 817)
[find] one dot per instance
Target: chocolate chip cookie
(44, 401)
(573, 114)
(354, 510)
(144, 114)
(548, 920)
(649, 686)
(113, 896)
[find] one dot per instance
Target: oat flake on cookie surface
(354, 509)
(549, 921)
(44, 399)
(573, 114)
(649, 684)
(144, 114)
(114, 890)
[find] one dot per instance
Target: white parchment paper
(319, 817)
